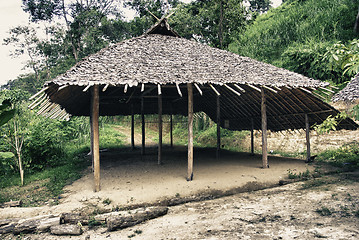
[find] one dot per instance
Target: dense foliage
(297, 34)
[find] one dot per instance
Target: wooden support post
(218, 127)
(264, 130)
(307, 136)
(95, 133)
(91, 127)
(143, 126)
(171, 127)
(132, 129)
(190, 132)
(252, 136)
(159, 129)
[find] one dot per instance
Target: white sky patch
(12, 15)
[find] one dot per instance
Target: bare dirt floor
(224, 201)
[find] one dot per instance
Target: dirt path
(138, 136)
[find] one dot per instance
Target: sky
(12, 15)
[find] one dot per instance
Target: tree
(158, 7)
(81, 18)
(25, 41)
(259, 6)
(16, 129)
(211, 22)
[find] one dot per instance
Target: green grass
(346, 157)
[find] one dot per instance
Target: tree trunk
(356, 25)
(220, 27)
(21, 170)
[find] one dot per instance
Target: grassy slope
(296, 22)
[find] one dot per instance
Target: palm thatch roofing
(350, 93)
(160, 62)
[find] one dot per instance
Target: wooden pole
(143, 126)
(132, 129)
(95, 132)
(218, 127)
(171, 127)
(159, 129)
(264, 130)
(252, 136)
(190, 132)
(91, 127)
(307, 135)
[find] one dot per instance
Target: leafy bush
(345, 156)
(47, 139)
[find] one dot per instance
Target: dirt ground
(325, 208)
(128, 179)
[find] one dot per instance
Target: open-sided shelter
(162, 73)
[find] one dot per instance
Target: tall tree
(211, 22)
(81, 18)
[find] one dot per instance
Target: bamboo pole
(95, 132)
(190, 132)
(159, 129)
(218, 127)
(264, 130)
(307, 136)
(132, 129)
(252, 136)
(143, 126)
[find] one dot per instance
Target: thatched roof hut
(161, 73)
(350, 93)
(171, 62)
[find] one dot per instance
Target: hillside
(297, 34)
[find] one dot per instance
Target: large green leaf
(5, 104)
(5, 116)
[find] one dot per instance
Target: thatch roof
(350, 93)
(160, 59)
(161, 62)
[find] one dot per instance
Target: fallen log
(7, 228)
(66, 229)
(134, 217)
(11, 204)
(74, 218)
(4, 222)
(30, 225)
(44, 225)
(26, 227)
